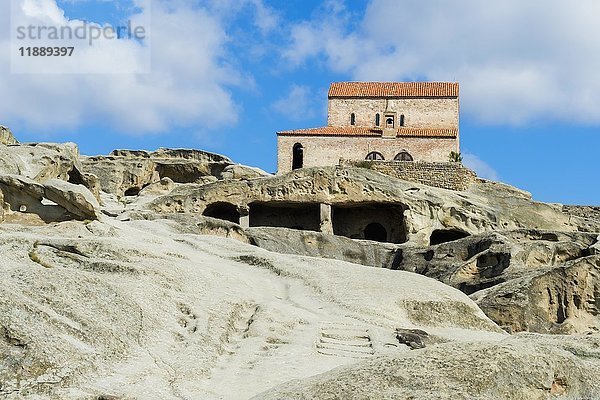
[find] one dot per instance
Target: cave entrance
(376, 232)
(301, 216)
(381, 222)
(224, 211)
(439, 236)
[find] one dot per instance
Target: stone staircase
(344, 340)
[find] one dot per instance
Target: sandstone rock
(561, 299)
(587, 218)
(315, 244)
(85, 314)
(412, 211)
(127, 172)
(76, 199)
(521, 367)
(6, 137)
(56, 200)
(238, 171)
(164, 186)
(524, 280)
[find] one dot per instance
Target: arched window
(377, 119)
(403, 156)
(374, 155)
(352, 119)
(402, 120)
(297, 156)
(389, 122)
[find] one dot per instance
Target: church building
(387, 121)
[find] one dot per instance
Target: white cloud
(482, 169)
(299, 104)
(517, 61)
(188, 83)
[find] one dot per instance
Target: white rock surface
(137, 310)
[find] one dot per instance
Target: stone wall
(445, 175)
(418, 112)
(321, 151)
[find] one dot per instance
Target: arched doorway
(403, 156)
(297, 156)
(376, 232)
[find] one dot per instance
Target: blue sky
(227, 74)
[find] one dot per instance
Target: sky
(226, 75)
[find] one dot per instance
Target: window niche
(374, 156)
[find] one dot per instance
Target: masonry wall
(327, 150)
(418, 112)
(445, 175)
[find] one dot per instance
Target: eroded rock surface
(127, 172)
(6, 136)
(416, 211)
(87, 311)
(27, 201)
(525, 367)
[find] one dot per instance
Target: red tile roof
(393, 89)
(366, 131)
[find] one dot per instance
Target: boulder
(6, 136)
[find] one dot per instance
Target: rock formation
(6, 136)
(180, 274)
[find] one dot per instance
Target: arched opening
(374, 155)
(403, 156)
(224, 211)
(402, 120)
(376, 232)
(446, 235)
(389, 122)
(377, 119)
(297, 156)
(352, 119)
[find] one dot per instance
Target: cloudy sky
(225, 75)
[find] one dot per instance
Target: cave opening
(224, 211)
(440, 236)
(299, 216)
(381, 222)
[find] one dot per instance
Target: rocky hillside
(179, 274)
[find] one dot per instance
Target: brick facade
(420, 118)
(445, 175)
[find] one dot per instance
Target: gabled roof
(393, 89)
(366, 131)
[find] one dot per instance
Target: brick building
(402, 121)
